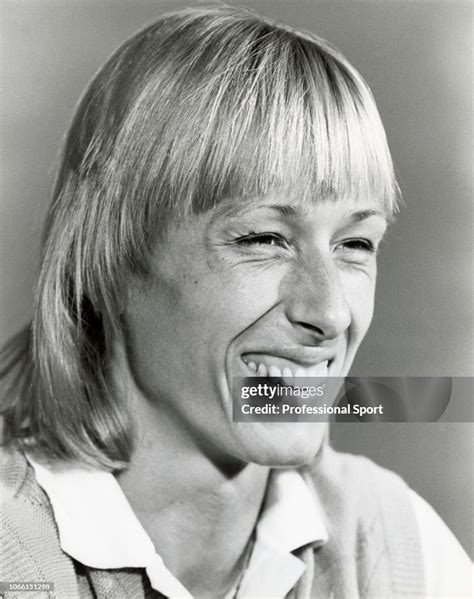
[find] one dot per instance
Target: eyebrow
(363, 214)
(294, 211)
(291, 211)
(298, 211)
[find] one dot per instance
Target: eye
(358, 245)
(262, 239)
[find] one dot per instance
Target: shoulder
(359, 497)
(17, 480)
(25, 512)
(448, 568)
(392, 534)
(30, 548)
(374, 546)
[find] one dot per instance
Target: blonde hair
(202, 105)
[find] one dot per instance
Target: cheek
(194, 313)
(230, 299)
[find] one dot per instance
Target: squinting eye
(364, 245)
(268, 239)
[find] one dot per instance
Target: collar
(98, 528)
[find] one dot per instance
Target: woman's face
(272, 282)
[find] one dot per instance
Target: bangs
(303, 125)
(242, 109)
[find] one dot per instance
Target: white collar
(98, 528)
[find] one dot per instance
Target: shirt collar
(292, 514)
(98, 528)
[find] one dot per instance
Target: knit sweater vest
(373, 549)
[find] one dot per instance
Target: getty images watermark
(353, 399)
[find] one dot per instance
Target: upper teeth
(272, 370)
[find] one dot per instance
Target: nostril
(311, 328)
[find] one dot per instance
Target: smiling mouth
(267, 365)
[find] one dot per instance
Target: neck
(181, 492)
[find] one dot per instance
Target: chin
(282, 445)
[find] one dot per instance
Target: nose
(315, 300)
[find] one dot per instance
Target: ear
(119, 372)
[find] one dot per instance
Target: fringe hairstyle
(204, 104)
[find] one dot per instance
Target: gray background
(417, 58)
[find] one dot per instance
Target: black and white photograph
(236, 248)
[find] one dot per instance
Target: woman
(224, 188)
